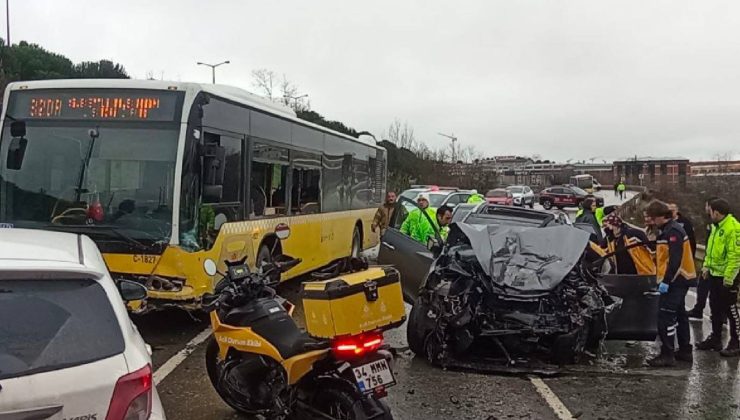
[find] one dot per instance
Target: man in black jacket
(686, 224)
(588, 216)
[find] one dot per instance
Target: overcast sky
(562, 79)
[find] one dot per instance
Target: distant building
(715, 167)
(653, 170)
(504, 163)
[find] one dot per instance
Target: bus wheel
(356, 244)
(264, 256)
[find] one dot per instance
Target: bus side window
(305, 191)
(268, 194)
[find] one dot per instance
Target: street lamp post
(7, 20)
(213, 69)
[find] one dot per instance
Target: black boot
(732, 349)
(662, 360)
(713, 342)
(685, 354)
(696, 313)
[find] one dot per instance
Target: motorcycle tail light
(357, 346)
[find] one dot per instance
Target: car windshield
(497, 193)
(578, 190)
(50, 329)
(410, 194)
(436, 200)
(516, 190)
(92, 174)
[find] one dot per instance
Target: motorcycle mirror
(209, 266)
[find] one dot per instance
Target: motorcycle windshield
(528, 260)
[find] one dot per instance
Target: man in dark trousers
(721, 268)
(675, 270)
(702, 289)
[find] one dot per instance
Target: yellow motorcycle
(261, 363)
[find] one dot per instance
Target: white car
(68, 349)
(523, 195)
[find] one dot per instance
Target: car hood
(524, 259)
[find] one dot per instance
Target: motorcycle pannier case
(354, 303)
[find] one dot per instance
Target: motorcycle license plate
(373, 375)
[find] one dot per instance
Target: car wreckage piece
(515, 293)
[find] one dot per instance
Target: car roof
(32, 249)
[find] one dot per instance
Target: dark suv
(564, 196)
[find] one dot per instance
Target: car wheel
(547, 204)
(531, 204)
(419, 327)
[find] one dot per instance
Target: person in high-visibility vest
(418, 226)
(722, 269)
(475, 198)
(621, 188)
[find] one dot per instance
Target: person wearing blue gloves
(675, 272)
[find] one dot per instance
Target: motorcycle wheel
(343, 405)
(213, 370)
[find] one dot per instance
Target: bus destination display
(97, 105)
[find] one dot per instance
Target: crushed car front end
(509, 295)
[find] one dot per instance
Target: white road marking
(551, 399)
(180, 356)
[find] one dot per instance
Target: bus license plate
(374, 375)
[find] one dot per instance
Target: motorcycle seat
(287, 338)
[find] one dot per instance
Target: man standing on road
(621, 188)
(417, 225)
(702, 290)
(616, 189)
(675, 270)
(384, 213)
(721, 268)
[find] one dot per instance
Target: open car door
(637, 318)
(410, 257)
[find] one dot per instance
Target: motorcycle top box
(332, 306)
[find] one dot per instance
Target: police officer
(721, 267)
(675, 271)
(475, 198)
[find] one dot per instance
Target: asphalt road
(615, 387)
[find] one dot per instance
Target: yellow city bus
(168, 178)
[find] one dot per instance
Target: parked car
(439, 197)
(68, 349)
(636, 320)
(500, 196)
(523, 195)
(564, 196)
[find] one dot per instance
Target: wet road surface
(616, 387)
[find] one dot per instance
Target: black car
(413, 258)
(635, 320)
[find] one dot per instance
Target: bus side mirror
(18, 129)
(16, 153)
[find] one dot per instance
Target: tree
(286, 92)
(402, 135)
(103, 69)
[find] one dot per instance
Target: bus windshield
(100, 175)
